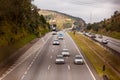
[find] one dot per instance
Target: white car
(104, 41)
(60, 37)
(59, 59)
(65, 52)
(92, 35)
(56, 42)
(78, 59)
(54, 33)
(100, 36)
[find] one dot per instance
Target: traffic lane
(24, 54)
(48, 61)
(19, 70)
(39, 70)
(59, 72)
(15, 72)
(40, 67)
(111, 44)
(54, 71)
(110, 40)
(68, 71)
(114, 47)
(77, 71)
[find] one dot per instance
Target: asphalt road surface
(38, 63)
(112, 43)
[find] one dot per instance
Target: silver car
(100, 36)
(65, 52)
(54, 33)
(59, 59)
(78, 59)
(56, 42)
(93, 36)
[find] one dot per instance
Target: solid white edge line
(4, 75)
(33, 60)
(82, 56)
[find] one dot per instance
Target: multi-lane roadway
(38, 62)
(112, 44)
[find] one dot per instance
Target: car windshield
(78, 57)
(59, 56)
(61, 35)
(65, 50)
(55, 40)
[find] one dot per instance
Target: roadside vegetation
(20, 23)
(99, 56)
(109, 27)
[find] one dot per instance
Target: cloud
(82, 8)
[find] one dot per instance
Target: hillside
(19, 25)
(61, 19)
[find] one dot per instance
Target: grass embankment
(6, 51)
(12, 38)
(98, 56)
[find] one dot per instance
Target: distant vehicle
(65, 52)
(54, 27)
(54, 33)
(59, 59)
(93, 36)
(60, 36)
(56, 42)
(89, 33)
(78, 59)
(84, 33)
(100, 36)
(104, 41)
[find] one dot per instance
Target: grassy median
(98, 56)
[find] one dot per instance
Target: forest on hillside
(110, 27)
(112, 24)
(18, 19)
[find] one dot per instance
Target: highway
(112, 43)
(38, 62)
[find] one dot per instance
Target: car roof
(59, 55)
(65, 49)
(55, 39)
(78, 56)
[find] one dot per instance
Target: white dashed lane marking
(68, 67)
(50, 57)
(49, 67)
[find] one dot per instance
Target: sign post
(104, 68)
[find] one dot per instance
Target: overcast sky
(88, 10)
